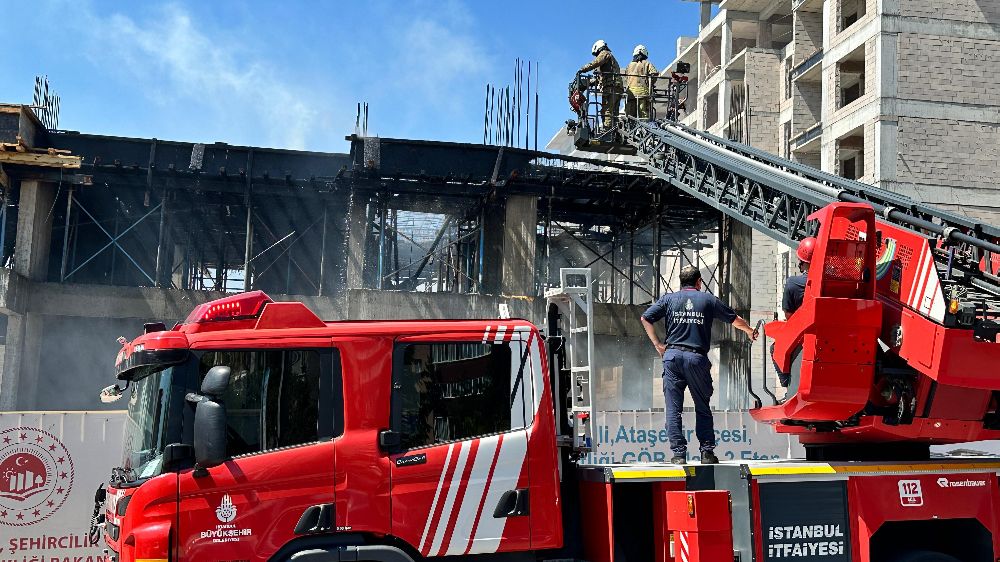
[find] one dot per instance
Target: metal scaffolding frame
(426, 216)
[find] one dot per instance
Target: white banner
(51, 463)
(641, 436)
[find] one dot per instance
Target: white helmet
(598, 45)
(640, 50)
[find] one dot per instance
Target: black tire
(923, 556)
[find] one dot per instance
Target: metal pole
(657, 250)
(248, 243)
(614, 282)
(65, 252)
(631, 267)
(160, 253)
(115, 247)
(322, 250)
(536, 105)
(3, 227)
(482, 247)
(381, 238)
(548, 241)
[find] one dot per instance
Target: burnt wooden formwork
(147, 212)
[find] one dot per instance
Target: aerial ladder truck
(257, 431)
(899, 326)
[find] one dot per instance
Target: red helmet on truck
(805, 249)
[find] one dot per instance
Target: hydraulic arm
(898, 335)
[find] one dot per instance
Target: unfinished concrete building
(900, 94)
(101, 234)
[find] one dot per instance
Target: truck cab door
(462, 405)
(283, 407)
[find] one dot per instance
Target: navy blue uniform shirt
(795, 289)
(689, 314)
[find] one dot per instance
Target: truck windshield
(146, 425)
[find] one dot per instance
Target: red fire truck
(257, 431)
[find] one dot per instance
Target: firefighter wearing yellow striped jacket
(640, 75)
(609, 80)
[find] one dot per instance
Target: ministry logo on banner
(36, 475)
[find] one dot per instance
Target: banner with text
(641, 436)
(51, 463)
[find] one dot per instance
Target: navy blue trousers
(686, 369)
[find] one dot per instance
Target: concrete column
(725, 98)
(725, 88)
(357, 233)
(765, 34)
(726, 47)
(30, 353)
(178, 273)
(519, 237)
(885, 151)
(494, 226)
(34, 229)
(706, 14)
(11, 368)
(735, 282)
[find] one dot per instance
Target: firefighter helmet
(640, 50)
(598, 45)
(805, 249)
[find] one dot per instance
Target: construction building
(900, 94)
(100, 234)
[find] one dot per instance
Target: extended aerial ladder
(923, 371)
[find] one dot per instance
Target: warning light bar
(237, 307)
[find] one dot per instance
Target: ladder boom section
(776, 197)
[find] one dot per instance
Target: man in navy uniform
(688, 315)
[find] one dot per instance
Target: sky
(290, 74)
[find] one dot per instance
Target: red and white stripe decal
(482, 501)
(925, 294)
(449, 502)
(916, 287)
(685, 549)
(430, 528)
(471, 486)
(475, 476)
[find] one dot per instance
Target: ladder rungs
(578, 330)
(583, 369)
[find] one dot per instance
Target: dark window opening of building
(848, 168)
(854, 91)
(851, 77)
(850, 12)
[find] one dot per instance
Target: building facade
(900, 94)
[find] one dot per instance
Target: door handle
(513, 503)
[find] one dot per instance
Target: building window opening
(851, 77)
(852, 155)
(711, 109)
(851, 11)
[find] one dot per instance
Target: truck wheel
(924, 556)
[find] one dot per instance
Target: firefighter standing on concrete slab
(609, 81)
(688, 315)
(640, 75)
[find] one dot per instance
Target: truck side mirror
(209, 433)
(210, 419)
(216, 381)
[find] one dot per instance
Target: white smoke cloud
(174, 59)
